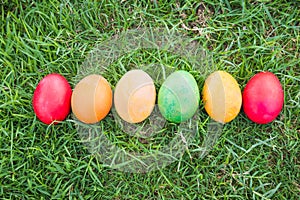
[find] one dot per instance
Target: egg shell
(263, 98)
(91, 99)
(134, 96)
(222, 96)
(178, 97)
(52, 98)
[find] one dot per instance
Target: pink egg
(263, 98)
(52, 98)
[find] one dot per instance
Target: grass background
(249, 161)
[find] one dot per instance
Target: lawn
(248, 161)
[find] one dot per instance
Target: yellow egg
(91, 99)
(134, 96)
(222, 96)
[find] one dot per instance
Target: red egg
(52, 98)
(263, 98)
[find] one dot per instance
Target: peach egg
(91, 99)
(134, 96)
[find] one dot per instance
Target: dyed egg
(52, 98)
(134, 96)
(222, 97)
(91, 99)
(263, 98)
(178, 97)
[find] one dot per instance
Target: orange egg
(91, 99)
(222, 96)
(134, 96)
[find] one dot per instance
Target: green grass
(249, 161)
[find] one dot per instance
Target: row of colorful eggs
(178, 98)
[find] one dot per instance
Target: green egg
(178, 97)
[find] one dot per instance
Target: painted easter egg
(91, 99)
(222, 96)
(263, 98)
(134, 96)
(178, 97)
(52, 98)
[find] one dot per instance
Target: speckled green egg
(178, 97)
